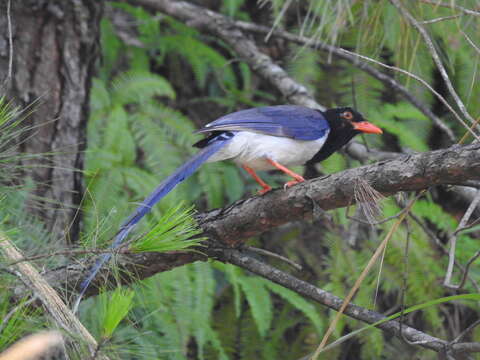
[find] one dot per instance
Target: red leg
(263, 184)
(298, 178)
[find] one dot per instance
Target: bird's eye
(347, 115)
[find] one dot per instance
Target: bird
(262, 138)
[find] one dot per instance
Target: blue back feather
(291, 121)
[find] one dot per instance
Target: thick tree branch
(412, 172)
(234, 224)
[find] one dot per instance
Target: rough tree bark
(54, 51)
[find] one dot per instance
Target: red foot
(293, 182)
(264, 190)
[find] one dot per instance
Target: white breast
(251, 149)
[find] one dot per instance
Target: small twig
(470, 41)
(405, 281)
(274, 255)
(453, 241)
(436, 20)
(70, 252)
(466, 331)
(444, 251)
(469, 226)
(451, 5)
(467, 269)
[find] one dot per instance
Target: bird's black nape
(342, 130)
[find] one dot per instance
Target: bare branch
(325, 298)
(452, 5)
(453, 242)
(202, 18)
(436, 20)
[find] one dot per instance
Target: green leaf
(140, 86)
(260, 302)
(117, 137)
(204, 285)
(299, 303)
(115, 309)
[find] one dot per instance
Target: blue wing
(291, 121)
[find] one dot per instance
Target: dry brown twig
(436, 20)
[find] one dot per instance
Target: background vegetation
(157, 81)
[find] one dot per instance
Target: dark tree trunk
(55, 47)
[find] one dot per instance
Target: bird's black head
(344, 123)
(348, 121)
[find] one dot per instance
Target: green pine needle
(115, 309)
(174, 231)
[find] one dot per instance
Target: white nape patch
(251, 149)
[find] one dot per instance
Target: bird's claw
(293, 182)
(264, 190)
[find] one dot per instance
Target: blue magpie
(264, 138)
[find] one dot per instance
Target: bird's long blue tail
(182, 173)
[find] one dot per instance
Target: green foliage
(405, 122)
(259, 301)
(299, 303)
(115, 308)
(174, 231)
(17, 321)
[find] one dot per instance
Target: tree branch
(234, 224)
(334, 302)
